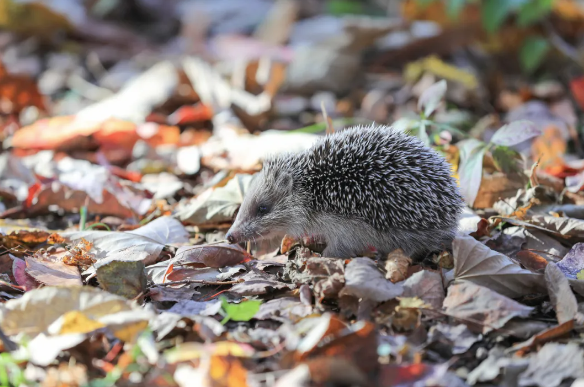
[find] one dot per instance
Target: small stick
(202, 282)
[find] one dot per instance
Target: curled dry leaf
(427, 285)
(213, 255)
(480, 308)
(573, 262)
(561, 296)
(552, 364)
(21, 276)
(363, 280)
(476, 263)
(397, 266)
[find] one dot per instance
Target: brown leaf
(480, 308)
(215, 255)
(532, 261)
(18, 92)
(356, 343)
(397, 266)
(54, 273)
(22, 277)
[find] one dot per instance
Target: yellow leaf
(436, 66)
(77, 322)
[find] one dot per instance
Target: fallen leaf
(480, 308)
(18, 92)
(283, 309)
(363, 280)
(121, 277)
(476, 263)
(53, 273)
(150, 238)
(427, 285)
(552, 364)
(256, 284)
(396, 265)
(189, 308)
(215, 255)
(561, 296)
(458, 337)
(573, 262)
(216, 204)
(21, 276)
(73, 310)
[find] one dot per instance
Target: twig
(201, 282)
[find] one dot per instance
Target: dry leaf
(396, 265)
(476, 263)
(480, 308)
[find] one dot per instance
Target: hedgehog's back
(383, 177)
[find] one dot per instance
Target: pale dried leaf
(561, 296)
(53, 273)
(396, 265)
(150, 239)
(476, 263)
(363, 280)
(553, 363)
(426, 285)
(480, 308)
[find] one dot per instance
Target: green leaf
(532, 53)
(342, 7)
(470, 172)
(454, 7)
(580, 275)
(494, 13)
(515, 132)
(244, 311)
(534, 11)
(506, 159)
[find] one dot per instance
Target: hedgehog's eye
(262, 209)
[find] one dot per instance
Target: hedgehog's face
(268, 209)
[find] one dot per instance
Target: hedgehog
(359, 190)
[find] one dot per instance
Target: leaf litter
(127, 152)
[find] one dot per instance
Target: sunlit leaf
(533, 52)
(516, 132)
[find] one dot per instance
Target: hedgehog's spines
(377, 174)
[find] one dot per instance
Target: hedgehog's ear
(286, 182)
